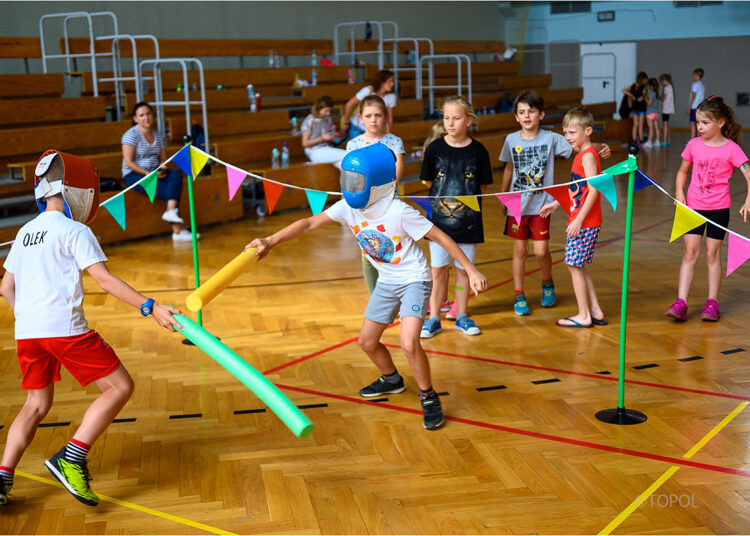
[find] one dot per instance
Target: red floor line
(584, 374)
(310, 356)
(538, 435)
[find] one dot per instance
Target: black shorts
(665, 118)
(720, 216)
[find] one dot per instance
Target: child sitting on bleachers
(318, 134)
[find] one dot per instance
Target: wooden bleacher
(17, 86)
(51, 110)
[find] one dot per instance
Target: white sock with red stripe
(76, 451)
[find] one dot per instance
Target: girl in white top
(667, 105)
(318, 134)
(382, 86)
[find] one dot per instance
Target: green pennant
(116, 207)
(148, 183)
(605, 184)
(626, 166)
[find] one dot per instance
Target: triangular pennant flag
(606, 186)
(116, 206)
(641, 180)
(182, 160)
(234, 180)
(684, 220)
(626, 166)
(470, 201)
(198, 159)
(562, 195)
(738, 252)
(425, 204)
(273, 192)
(512, 202)
(317, 200)
(148, 183)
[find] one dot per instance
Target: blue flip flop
(599, 322)
(573, 324)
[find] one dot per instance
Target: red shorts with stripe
(87, 357)
(533, 227)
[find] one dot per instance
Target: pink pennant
(738, 252)
(234, 180)
(512, 202)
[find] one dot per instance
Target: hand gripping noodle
(368, 175)
(76, 178)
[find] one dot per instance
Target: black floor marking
(379, 400)
(641, 367)
(551, 380)
(725, 352)
(186, 416)
(129, 419)
(604, 372)
(491, 388)
(686, 359)
(53, 424)
(444, 393)
(244, 411)
(311, 406)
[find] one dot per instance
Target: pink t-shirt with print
(712, 169)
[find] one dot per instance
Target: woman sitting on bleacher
(382, 86)
(143, 149)
(318, 134)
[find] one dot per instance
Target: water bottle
(350, 76)
(314, 59)
(258, 105)
(410, 55)
(276, 62)
(293, 121)
(251, 98)
(314, 77)
(270, 58)
(285, 156)
(275, 158)
(179, 88)
(194, 87)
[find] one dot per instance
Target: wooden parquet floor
(195, 452)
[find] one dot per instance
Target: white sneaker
(648, 145)
(184, 236)
(172, 216)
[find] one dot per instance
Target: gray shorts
(411, 299)
(439, 257)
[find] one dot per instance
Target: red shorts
(534, 227)
(87, 357)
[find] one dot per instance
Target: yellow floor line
(126, 504)
(669, 472)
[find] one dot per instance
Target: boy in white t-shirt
(42, 284)
(387, 230)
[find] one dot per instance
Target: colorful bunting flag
(116, 206)
(738, 251)
(641, 180)
(198, 159)
(182, 160)
(684, 220)
(148, 183)
(562, 195)
(235, 177)
(512, 202)
(425, 204)
(470, 201)
(626, 166)
(273, 192)
(606, 186)
(316, 199)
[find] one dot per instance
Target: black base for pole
(188, 342)
(621, 416)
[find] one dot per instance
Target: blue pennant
(182, 161)
(641, 180)
(425, 204)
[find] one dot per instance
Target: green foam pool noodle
(289, 414)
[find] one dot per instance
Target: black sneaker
(74, 476)
(381, 386)
(432, 410)
(4, 492)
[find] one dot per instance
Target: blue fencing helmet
(368, 175)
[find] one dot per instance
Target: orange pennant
(562, 195)
(273, 192)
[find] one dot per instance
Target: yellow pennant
(470, 201)
(684, 220)
(198, 159)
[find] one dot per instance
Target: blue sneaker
(467, 325)
(548, 294)
(430, 328)
(520, 306)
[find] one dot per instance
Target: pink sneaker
(451, 315)
(711, 311)
(446, 306)
(678, 310)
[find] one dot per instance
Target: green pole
(191, 202)
(624, 302)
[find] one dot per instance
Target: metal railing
(430, 59)
(417, 76)
(338, 54)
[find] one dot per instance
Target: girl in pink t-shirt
(713, 155)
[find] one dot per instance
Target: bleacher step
(16, 221)
(15, 201)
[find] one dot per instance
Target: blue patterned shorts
(580, 250)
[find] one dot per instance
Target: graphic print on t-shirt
(576, 190)
(705, 172)
(376, 244)
(530, 164)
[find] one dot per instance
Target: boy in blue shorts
(532, 151)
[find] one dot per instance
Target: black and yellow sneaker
(74, 476)
(381, 386)
(432, 410)
(4, 492)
